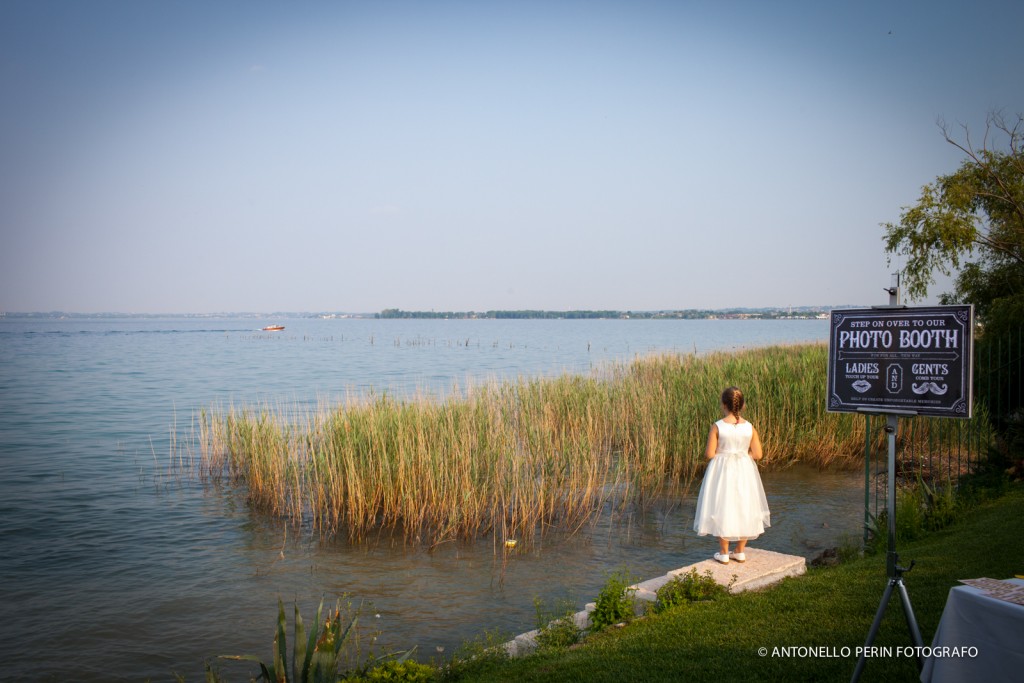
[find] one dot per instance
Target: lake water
(113, 570)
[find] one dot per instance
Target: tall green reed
(513, 458)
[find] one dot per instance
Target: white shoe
(724, 559)
(739, 557)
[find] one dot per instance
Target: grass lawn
(719, 641)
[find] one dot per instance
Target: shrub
(940, 505)
(406, 671)
(922, 508)
(558, 635)
(849, 548)
(615, 603)
(556, 629)
(478, 655)
(690, 587)
(989, 478)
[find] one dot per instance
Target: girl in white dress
(731, 504)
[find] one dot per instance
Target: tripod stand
(894, 571)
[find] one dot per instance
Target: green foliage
(315, 656)
(556, 628)
(849, 548)
(407, 671)
(910, 514)
(971, 220)
(690, 587)
(920, 508)
(559, 635)
(719, 640)
(989, 478)
(924, 507)
(483, 653)
(615, 603)
(939, 503)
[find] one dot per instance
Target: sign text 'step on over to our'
(915, 360)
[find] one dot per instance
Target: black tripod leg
(908, 612)
(874, 631)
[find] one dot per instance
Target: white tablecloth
(995, 627)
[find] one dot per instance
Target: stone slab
(523, 644)
(762, 568)
(582, 619)
(647, 591)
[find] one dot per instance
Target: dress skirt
(731, 503)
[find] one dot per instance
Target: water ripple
(137, 575)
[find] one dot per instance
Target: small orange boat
(273, 328)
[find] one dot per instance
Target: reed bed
(512, 459)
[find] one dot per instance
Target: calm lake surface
(112, 569)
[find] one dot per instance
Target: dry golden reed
(510, 459)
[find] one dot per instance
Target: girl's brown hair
(732, 399)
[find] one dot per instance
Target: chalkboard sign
(902, 359)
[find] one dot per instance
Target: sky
(177, 157)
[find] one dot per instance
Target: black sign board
(901, 359)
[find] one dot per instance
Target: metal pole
(891, 423)
(867, 476)
(893, 570)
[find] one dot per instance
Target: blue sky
(258, 156)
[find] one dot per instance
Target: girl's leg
(741, 545)
(723, 546)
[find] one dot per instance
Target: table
(994, 627)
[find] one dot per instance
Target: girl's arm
(709, 452)
(755, 447)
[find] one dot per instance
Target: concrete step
(762, 568)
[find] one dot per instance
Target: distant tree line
(398, 313)
(688, 314)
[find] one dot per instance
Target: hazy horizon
(563, 155)
(309, 312)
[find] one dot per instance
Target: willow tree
(971, 222)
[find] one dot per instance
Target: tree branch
(994, 120)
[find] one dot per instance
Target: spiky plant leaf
(280, 647)
(307, 656)
(299, 654)
(264, 671)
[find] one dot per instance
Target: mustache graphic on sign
(925, 387)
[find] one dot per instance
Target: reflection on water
(440, 597)
(112, 571)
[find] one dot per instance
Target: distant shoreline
(802, 313)
(767, 313)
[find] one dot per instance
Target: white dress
(731, 503)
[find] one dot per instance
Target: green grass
(718, 641)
